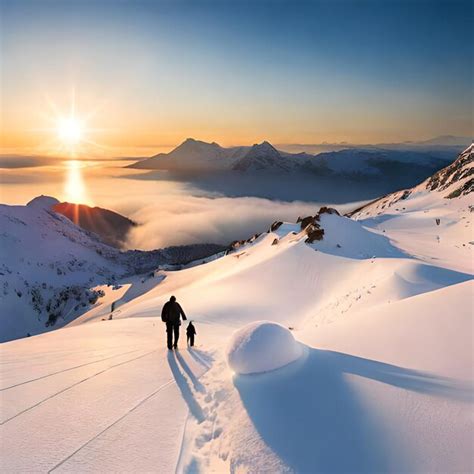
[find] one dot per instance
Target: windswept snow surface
(105, 397)
(382, 308)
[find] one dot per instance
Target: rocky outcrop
(275, 226)
(314, 233)
(328, 210)
(306, 221)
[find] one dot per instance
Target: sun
(70, 131)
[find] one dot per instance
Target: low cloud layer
(179, 220)
(20, 161)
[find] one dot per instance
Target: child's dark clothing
(191, 332)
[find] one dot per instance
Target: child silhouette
(191, 332)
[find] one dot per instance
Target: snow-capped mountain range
(193, 155)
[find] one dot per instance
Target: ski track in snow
(73, 385)
(118, 400)
(113, 424)
(65, 370)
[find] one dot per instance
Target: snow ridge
(454, 181)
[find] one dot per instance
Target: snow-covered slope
(49, 267)
(454, 181)
(382, 314)
(438, 211)
(94, 398)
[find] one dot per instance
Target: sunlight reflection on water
(74, 187)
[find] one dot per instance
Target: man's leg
(191, 340)
(169, 335)
(176, 335)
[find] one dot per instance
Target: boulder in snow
(314, 233)
(260, 347)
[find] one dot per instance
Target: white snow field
(382, 308)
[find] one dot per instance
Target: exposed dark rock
(314, 233)
(276, 225)
(466, 188)
(453, 173)
(305, 221)
(328, 210)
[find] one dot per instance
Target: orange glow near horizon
(74, 187)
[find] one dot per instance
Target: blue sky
(241, 71)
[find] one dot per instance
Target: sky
(152, 73)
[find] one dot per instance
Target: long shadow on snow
(200, 356)
(183, 386)
(309, 415)
(197, 385)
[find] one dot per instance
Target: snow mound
(43, 202)
(260, 347)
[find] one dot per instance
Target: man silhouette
(171, 314)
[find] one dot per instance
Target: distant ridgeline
(368, 161)
(454, 181)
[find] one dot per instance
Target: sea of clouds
(179, 220)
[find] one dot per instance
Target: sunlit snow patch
(262, 346)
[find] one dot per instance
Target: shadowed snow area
(315, 396)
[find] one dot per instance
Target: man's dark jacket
(171, 312)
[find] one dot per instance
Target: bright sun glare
(69, 131)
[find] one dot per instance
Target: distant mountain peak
(262, 156)
(193, 141)
(192, 145)
(264, 148)
(264, 144)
